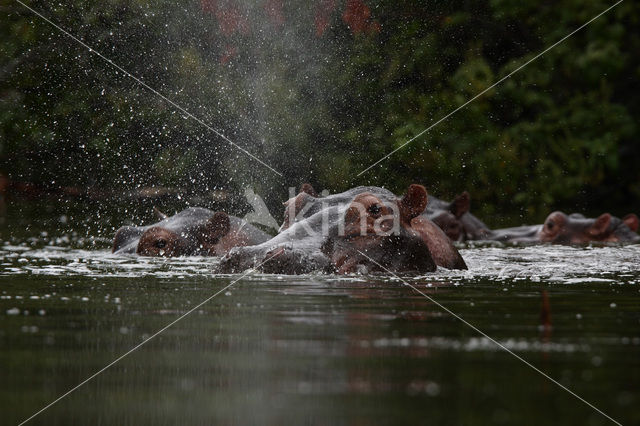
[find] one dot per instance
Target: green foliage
(558, 134)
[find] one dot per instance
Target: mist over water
(270, 90)
(319, 91)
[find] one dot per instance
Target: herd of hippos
(365, 229)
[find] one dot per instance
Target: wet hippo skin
(560, 228)
(452, 217)
(307, 202)
(364, 229)
(455, 219)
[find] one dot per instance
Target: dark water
(316, 349)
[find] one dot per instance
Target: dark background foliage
(320, 90)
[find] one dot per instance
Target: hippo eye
(161, 243)
(550, 224)
(375, 209)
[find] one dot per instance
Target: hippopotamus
(455, 219)
(560, 228)
(364, 229)
(192, 232)
(307, 202)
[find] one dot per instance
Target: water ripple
(555, 264)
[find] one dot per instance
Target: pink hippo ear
(600, 226)
(414, 202)
(293, 206)
(299, 201)
(632, 221)
(308, 189)
(158, 214)
(460, 205)
(216, 227)
(220, 222)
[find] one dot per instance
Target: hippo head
(632, 221)
(159, 241)
(451, 225)
(450, 220)
(375, 234)
(209, 233)
(576, 229)
(199, 239)
(624, 230)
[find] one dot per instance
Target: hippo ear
(299, 201)
(553, 226)
(157, 213)
(218, 225)
(414, 202)
(125, 235)
(460, 205)
(632, 221)
(600, 225)
(308, 189)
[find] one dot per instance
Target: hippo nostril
(375, 209)
(161, 243)
(550, 224)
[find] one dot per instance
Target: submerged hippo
(560, 228)
(363, 229)
(192, 232)
(307, 202)
(455, 219)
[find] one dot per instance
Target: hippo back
(126, 239)
(253, 233)
(302, 242)
(526, 234)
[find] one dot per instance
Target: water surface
(318, 349)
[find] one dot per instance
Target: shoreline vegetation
(320, 93)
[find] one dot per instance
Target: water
(316, 349)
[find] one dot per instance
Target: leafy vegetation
(322, 90)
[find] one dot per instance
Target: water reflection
(319, 349)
